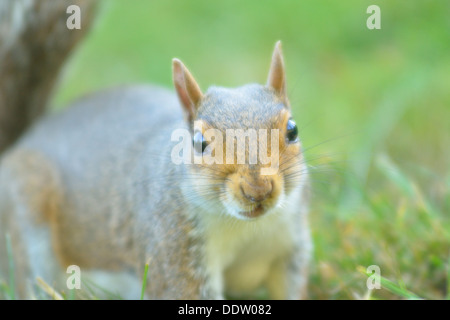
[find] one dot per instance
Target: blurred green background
(373, 108)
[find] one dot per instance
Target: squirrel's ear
(187, 89)
(277, 77)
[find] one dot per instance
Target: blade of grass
(71, 295)
(394, 174)
(4, 290)
(448, 280)
(392, 287)
(144, 280)
(12, 284)
(48, 289)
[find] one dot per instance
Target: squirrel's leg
(213, 288)
(29, 234)
(176, 267)
(180, 282)
(288, 277)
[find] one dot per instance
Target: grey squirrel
(95, 186)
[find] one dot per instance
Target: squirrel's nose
(258, 191)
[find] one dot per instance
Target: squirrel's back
(102, 153)
(105, 122)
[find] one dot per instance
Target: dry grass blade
(48, 289)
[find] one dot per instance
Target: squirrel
(94, 186)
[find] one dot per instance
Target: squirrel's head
(246, 155)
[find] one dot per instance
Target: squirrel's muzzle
(257, 191)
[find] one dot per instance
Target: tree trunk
(34, 43)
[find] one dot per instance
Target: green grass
(373, 109)
(144, 281)
(395, 226)
(7, 289)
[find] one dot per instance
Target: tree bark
(34, 43)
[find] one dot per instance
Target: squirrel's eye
(199, 142)
(291, 131)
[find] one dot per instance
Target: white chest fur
(239, 254)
